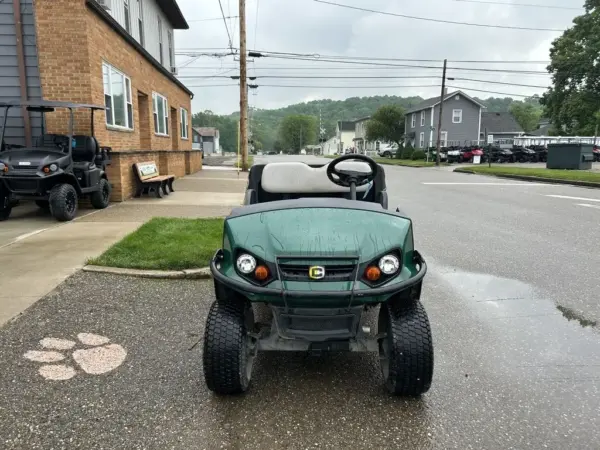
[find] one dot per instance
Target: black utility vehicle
(58, 169)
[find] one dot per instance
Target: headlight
(53, 167)
(3, 167)
(246, 263)
(389, 264)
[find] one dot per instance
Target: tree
(277, 146)
(297, 131)
(387, 124)
(526, 114)
(228, 128)
(575, 95)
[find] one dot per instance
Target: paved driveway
(37, 253)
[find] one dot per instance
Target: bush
(407, 152)
(418, 154)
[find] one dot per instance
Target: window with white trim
(117, 98)
(444, 139)
(184, 123)
(141, 22)
(457, 115)
(160, 110)
(127, 15)
(422, 118)
(160, 41)
(422, 140)
(171, 53)
(413, 120)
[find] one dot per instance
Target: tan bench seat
(149, 179)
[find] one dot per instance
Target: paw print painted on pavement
(98, 356)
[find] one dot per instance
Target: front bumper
(388, 289)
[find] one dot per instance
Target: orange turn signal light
(261, 273)
(46, 170)
(372, 273)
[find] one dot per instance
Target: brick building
(117, 53)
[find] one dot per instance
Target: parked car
(523, 154)
(470, 152)
(596, 153)
(501, 155)
(433, 154)
(387, 151)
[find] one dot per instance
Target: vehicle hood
(33, 158)
(318, 232)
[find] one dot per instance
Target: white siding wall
(150, 14)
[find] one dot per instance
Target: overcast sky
(309, 27)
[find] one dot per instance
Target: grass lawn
(166, 244)
(556, 174)
(238, 163)
(399, 162)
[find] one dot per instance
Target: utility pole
(243, 88)
(439, 129)
(320, 132)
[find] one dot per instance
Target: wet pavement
(509, 373)
(511, 294)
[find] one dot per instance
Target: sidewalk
(37, 253)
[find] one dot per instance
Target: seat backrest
(84, 148)
(300, 178)
(51, 139)
(146, 170)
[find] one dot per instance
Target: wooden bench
(147, 179)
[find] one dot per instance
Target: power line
(500, 82)
(317, 56)
(411, 66)
(506, 27)
(226, 27)
(213, 18)
(490, 92)
(520, 4)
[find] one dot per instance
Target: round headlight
(2, 167)
(53, 167)
(246, 263)
(389, 264)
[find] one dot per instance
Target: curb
(589, 184)
(189, 274)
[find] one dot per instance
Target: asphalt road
(512, 298)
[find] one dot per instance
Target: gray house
(461, 121)
(502, 125)
(19, 58)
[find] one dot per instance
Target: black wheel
(63, 202)
(406, 351)
(43, 204)
(229, 351)
(5, 206)
(101, 198)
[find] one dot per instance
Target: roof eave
(171, 9)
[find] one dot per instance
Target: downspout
(21, 68)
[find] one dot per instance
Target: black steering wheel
(348, 178)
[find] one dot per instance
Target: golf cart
(318, 246)
(57, 170)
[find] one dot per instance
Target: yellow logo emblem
(316, 272)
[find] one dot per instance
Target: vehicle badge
(316, 272)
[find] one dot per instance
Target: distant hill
(264, 123)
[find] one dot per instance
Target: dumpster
(570, 156)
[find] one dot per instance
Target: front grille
(333, 272)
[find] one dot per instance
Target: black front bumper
(244, 287)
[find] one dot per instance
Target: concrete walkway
(37, 253)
